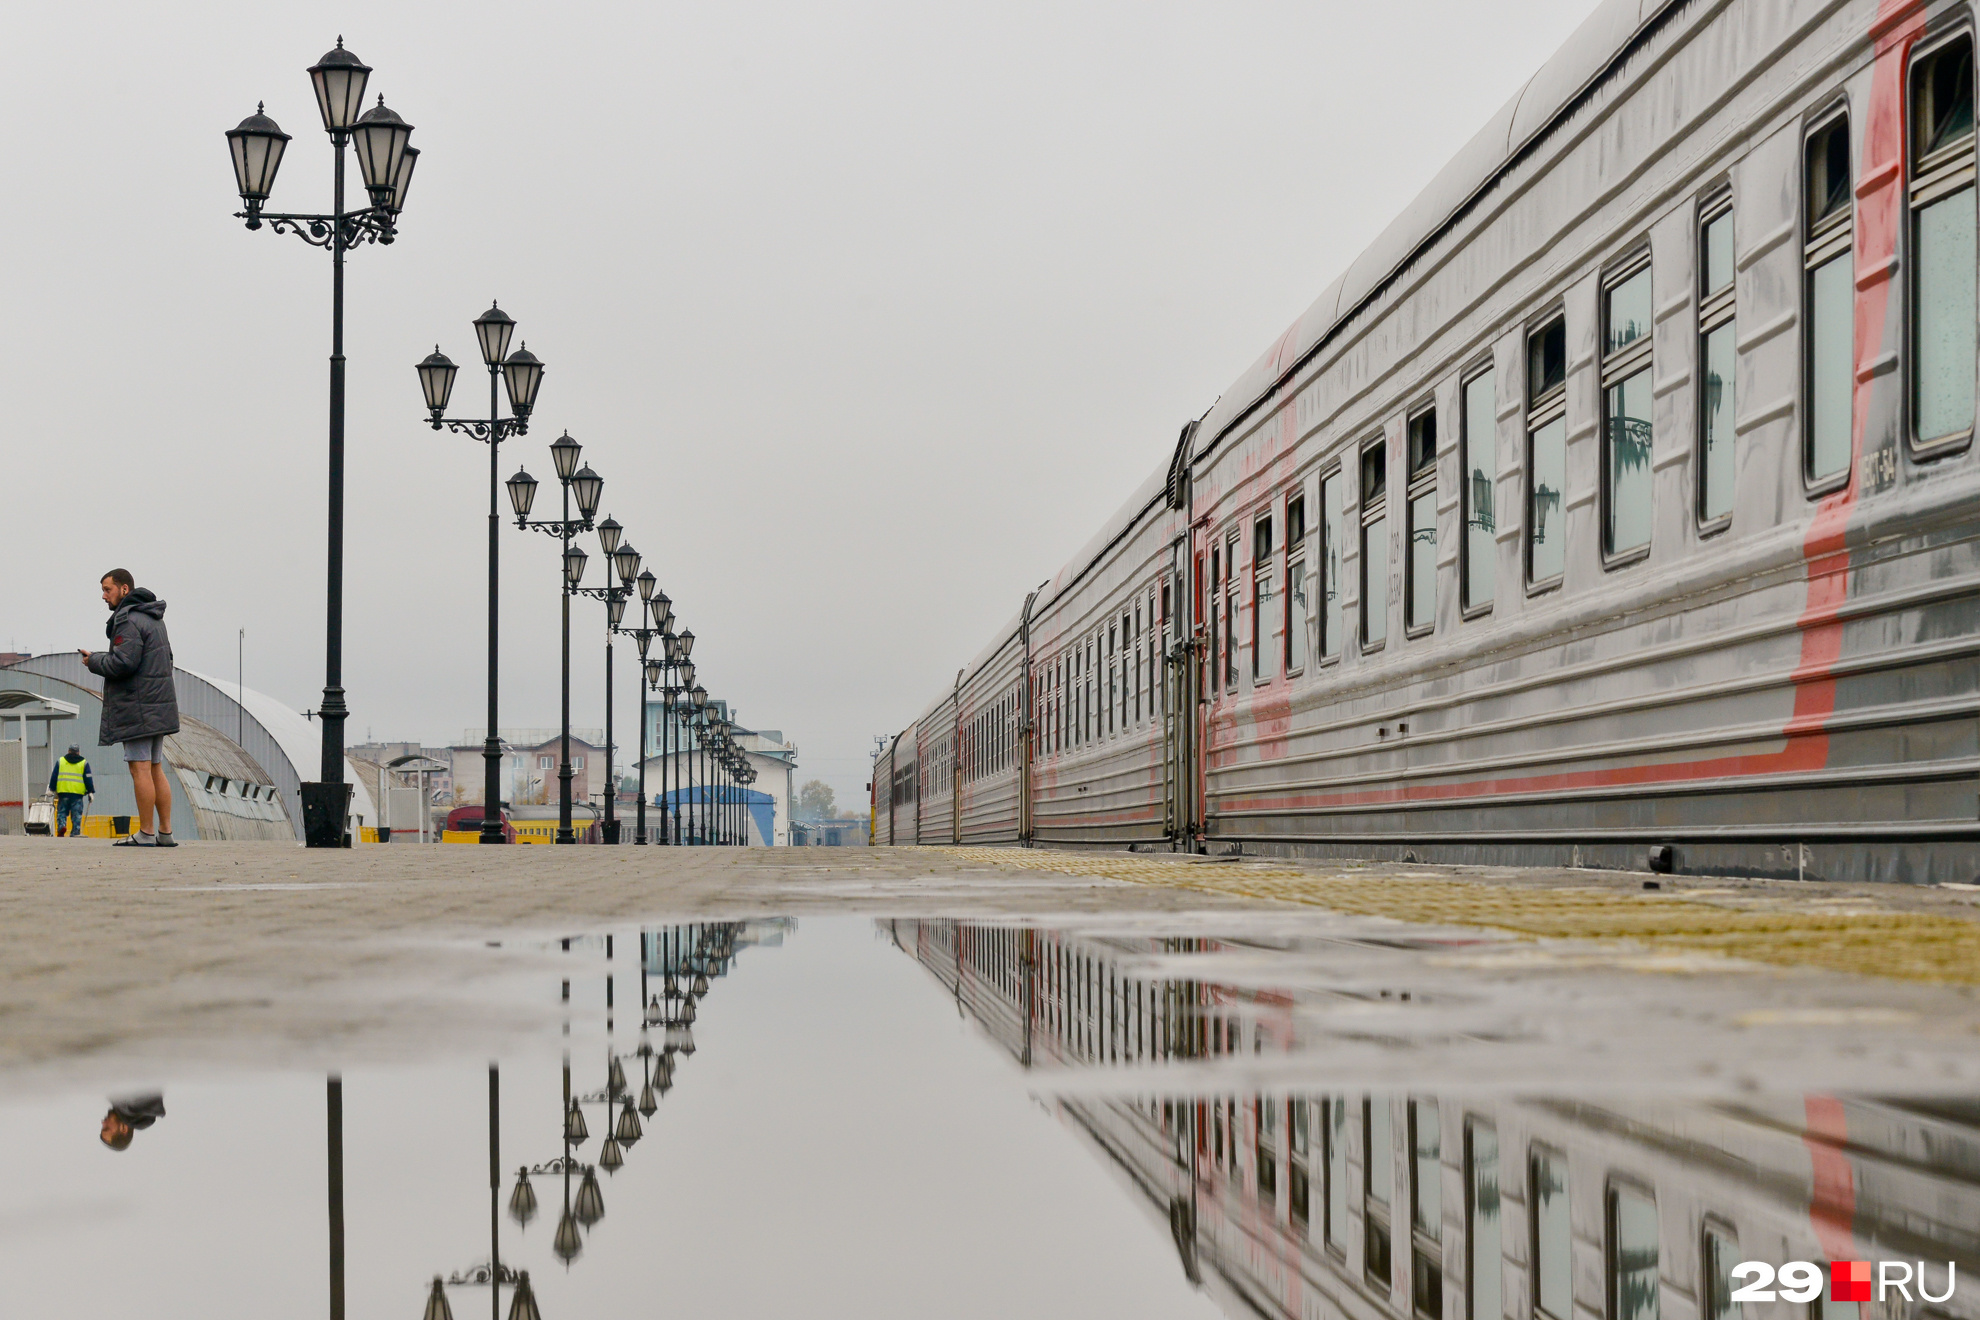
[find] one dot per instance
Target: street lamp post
(654, 605)
(523, 375)
(586, 486)
(386, 159)
(698, 703)
(625, 562)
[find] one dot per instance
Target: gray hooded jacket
(139, 699)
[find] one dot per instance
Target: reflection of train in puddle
(1445, 1207)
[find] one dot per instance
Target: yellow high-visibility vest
(69, 776)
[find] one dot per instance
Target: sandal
(135, 841)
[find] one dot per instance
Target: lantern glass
(522, 1202)
(687, 674)
(644, 637)
(256, 146)
(574, 560)
(586, 487)
(381, 138)
(653, 671)
(648, 584)
(615, 612)
(564, 452)
(523, 375)
(687, 644)
(436, 1302)
(575, 1130)
(699, 695)
(522, 492)
(524, 1305)
(625, 561)
(492, 330)
(590, 1200)
(402, 180)
(436, 381)
(339, 78)
(609, 532)
(663, 610)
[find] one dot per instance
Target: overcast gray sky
(867, 312)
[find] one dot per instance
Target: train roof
(1594, 52)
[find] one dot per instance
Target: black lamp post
(697, 705)
(655, 605)
(523, 375)
(585, 486)
(625, 562)
(386, 160)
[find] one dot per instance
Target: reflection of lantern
(1544, 499)
(522, 1203)
(630, 1131)
(568, 1242)
(575, 1130)
(590, 1201)
(524, 1305)
(1481, 501)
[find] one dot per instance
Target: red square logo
(1849, 1280)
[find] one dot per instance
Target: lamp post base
(326, 812)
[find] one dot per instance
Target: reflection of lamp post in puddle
(522, 1303)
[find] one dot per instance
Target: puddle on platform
(1096, 1117)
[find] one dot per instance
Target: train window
(1633, 1291)
(1261, 595)
(1296, 602)
(1829, 366)
(1378, 1188)
(1626, 466)
(1113, 678)
(1265, 1152)
(1374, 545)
(1334, 1136)
(1230, 612)
(1298, 1188)
(1216, 614)
(1333, 535)
(1942, 233)
(1137, 662)
(1721, 1253)
(1547, 460)
(1716, 363)
(1553, 1282)
(1481, 1215)
(1478, 556)
(1426, 1209)
(1546, 361)
(1420, 570)
(1127, 679)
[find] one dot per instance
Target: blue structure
(686, 805)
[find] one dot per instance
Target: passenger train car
(1618, 505)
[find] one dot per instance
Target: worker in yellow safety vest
(70, 782)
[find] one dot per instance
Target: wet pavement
(942, 1084)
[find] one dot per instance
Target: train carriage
(1616, 507)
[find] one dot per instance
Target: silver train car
(1352, 1206)
(1616, 507)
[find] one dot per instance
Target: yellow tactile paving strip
(1910, 946)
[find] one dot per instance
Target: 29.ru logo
(1849, 1281)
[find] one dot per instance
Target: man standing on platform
(70, 782)
(140, 703)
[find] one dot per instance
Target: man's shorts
(145, 749)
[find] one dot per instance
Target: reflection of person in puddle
(128, 1117)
